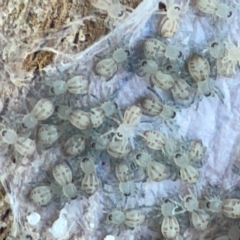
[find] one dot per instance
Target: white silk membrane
(216, 124)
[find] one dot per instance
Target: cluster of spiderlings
(107, 130)
(202, 213)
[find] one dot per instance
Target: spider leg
(169, 125)
(107, 133)
(186, 6)
(230, 44)
(234, 69)
(108, 79)
(120, 115)
(160, 12)
(198, 164)
(174, 212)
(132, 142)
(155, 93)
(197, 99)
(219, 93)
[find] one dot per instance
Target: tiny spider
(74, 145)
(169, 24)
(199, 70)
(217, 50)
(129, 218)
(216, 8)
(155, 106)
(79, 119)
(179, 88)
(154, 139)
(22, 144)
(90, 183)
(156, 171)
(125, 184)
(41, 195)
(199, 218)
(219, 203)
(187, 172)
(185, 156)
(232, 55)
(67, 86)
(118, 149)
(153, 49)
(105, 110)
(146, 67)
(109, 64)
(117, 12)
(169, 224)
(63, 176)
(42, 110)
(125, 130)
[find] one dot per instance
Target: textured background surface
(70, 41)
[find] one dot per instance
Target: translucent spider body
(228, 207)
(187, 172)
(100, 142)
(24, 146)
(181, 89)
(216, 49)
(87, 164)
(125, 178)
(199, 218)
(75, 85)
(154, 49)
(90, 183)
(156, 171)
(48, 134)
(154, 139)
(43, 109)
(131, 218)
(125, 130)
(216, 8)
(169, 23)
(197, 151)
(63, 176)
(152, 106)
(232, 55)
(78, 118)
(162, 80)
(118, 149)
(74, 145)
(169, 226)
(225, 69)
(89, 180)
(199, 69)
(115, 10)
(108, 66)
(41, 195)
(146, 66)
(105, 110)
